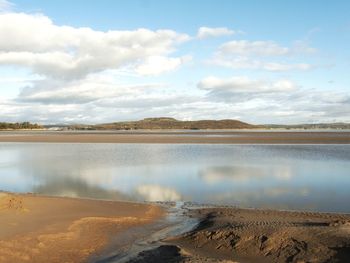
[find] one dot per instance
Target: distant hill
(171, 123)
(166, 123)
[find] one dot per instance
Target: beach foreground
(251, 235)
(55, 229)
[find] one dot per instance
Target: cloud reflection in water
(75, 187)
(280, 176)
(218, 174)
(158, 193)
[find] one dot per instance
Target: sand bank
(53, 229)
(219, 137)
(247, 235)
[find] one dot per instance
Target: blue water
(306, 177)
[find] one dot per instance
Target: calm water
(309, 177)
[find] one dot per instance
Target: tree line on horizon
(19, 125)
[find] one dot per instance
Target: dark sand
(218, 137)
(246, 235)
(53, 229)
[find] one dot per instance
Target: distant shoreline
(171, 124)
(180, 137)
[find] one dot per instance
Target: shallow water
(308, 177)
(177, 222)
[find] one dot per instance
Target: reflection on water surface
(312, 177)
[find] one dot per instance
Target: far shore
(195, 137)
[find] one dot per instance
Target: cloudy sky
(100, 61)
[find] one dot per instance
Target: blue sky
(100, 61)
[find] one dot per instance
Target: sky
(262, 62)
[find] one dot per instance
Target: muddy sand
(53, 229)
(56, 229)
(218, 137)
(249, 235)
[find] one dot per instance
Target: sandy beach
(217, 137)
(58, 229)
(55, 229)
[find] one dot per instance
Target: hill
(171, 124)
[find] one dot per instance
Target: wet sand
(249, 235)
(217, 137)
(54, 229)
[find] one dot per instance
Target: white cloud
(243, 84)
(137, 102)
(265, 55)
(92, 88)
(252, 63)
(5, 6)
(253, 48)
(262, 48)
(157, 64)
(279, 101)
(206, 32)
(62, 93)
(273, 66)
(65, 52)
